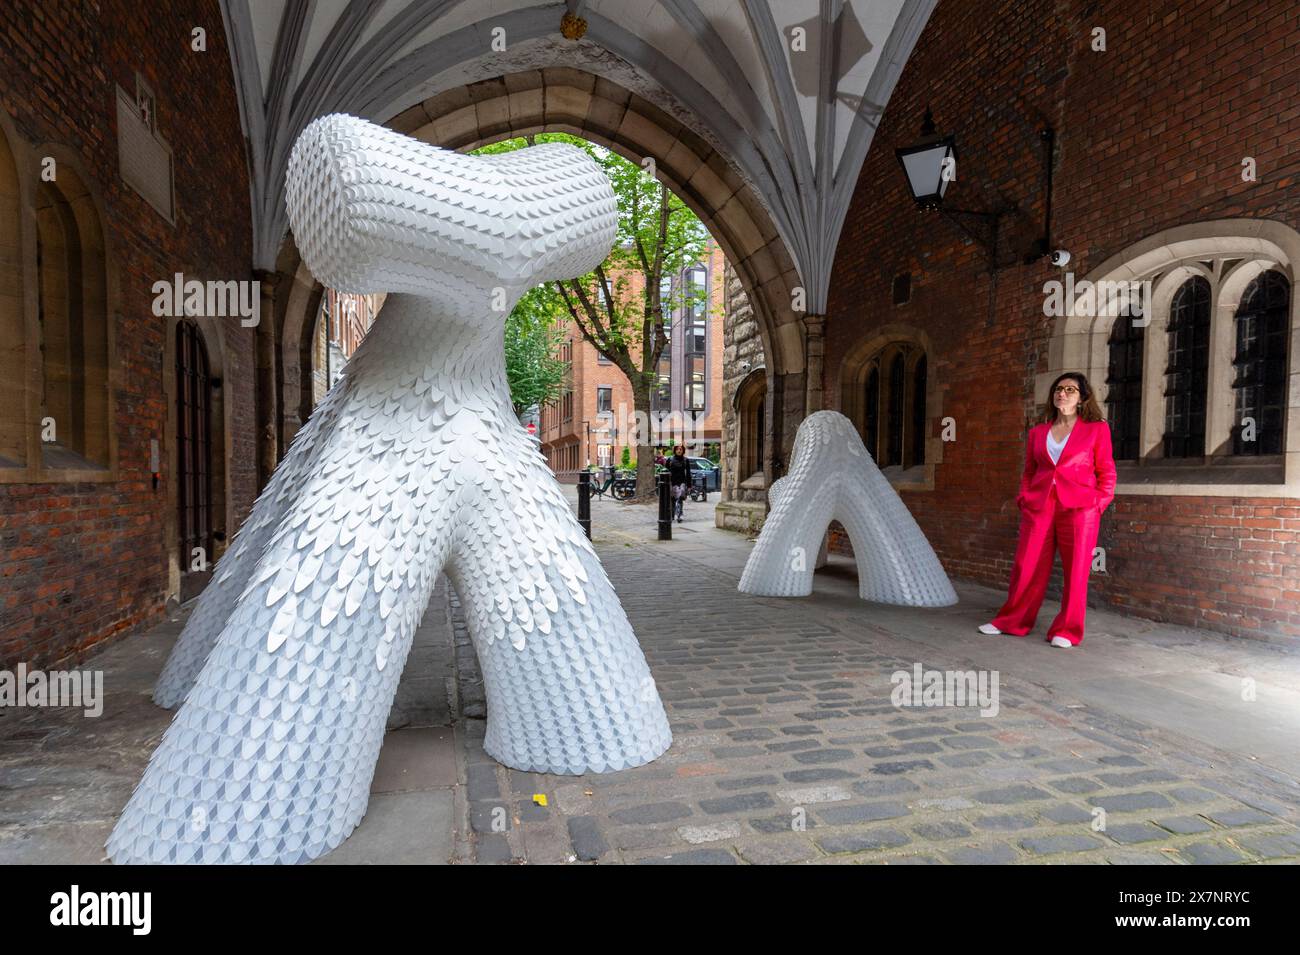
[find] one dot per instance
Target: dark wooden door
(194, 445)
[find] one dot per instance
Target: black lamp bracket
(981, 226)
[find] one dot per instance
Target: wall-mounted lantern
(930, 165)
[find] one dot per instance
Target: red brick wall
(80, 562)
(1151, 134)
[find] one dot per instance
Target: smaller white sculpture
(833, 478)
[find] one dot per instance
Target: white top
(1055, 447)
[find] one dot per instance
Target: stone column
(815, 350)
(742, 353)
(268, 410)
(814, 400)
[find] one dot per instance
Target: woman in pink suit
(1068, 480)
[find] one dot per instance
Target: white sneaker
(1061, 642)
(989, 628)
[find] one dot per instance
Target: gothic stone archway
(561, 99)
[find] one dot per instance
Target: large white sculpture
(413, 464)
(831, 477)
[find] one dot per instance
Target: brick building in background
(127, 439)
(1152, 138)
(341, 325)
(591, 421)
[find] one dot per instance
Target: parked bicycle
(623, 488)
(599, 490)
(618, 485)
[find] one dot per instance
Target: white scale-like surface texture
(832, 478)
(413, 464)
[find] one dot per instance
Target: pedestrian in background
(679, 476)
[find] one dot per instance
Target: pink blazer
(1084, 476)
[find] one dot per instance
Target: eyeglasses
(1066, 390)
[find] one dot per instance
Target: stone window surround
(1229, 253)
(750, 393)
(28, 162)
(853, 378)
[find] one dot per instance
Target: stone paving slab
(401, 828)
(417, 758)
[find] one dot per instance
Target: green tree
(620, 307)
(532, 341)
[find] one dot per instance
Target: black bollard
(665, 508)
(584, 502)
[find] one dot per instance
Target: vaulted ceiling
(790, 91)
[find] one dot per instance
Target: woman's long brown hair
(1089, 410)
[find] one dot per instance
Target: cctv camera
(1061, 257)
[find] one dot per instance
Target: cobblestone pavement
(787, 747)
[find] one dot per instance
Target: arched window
(13, 337)
(1124, 388)
(73, 322)
(885, 391)
(891, 412)
(918, 411)
(897, 384)
(1187, 373)
(1259, 383)
(751, 403)
(871, 413)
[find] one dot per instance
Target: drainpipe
(268, 410)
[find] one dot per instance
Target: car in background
(704, 470)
